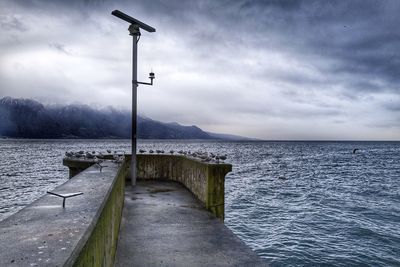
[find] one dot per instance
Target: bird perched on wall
(141, 151)
(99, 162)
(202, 157)
(207, 159)
(108, 150)
(151, 151)
(223, 157)
(172, 152)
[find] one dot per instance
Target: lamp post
(134, 31)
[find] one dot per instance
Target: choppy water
(294, 203)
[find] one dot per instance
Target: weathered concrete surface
(78, 165)
(205, 180)
(101, 244)
(45, 234)
(165, 225)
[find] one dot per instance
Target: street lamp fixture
(134, 31)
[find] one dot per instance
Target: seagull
(141, 151)
(151, 151)
(223, 157)
(69, 154)
(118, 159)
(171, 151)
(108, 150)
(355, 150)
(98, 163)
(207, 159)
(89, 155)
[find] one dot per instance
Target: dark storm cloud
(284, 60)
(393, 106)
(10, 23)
(360, 36)
(60, 48)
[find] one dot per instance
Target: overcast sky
(275, 69)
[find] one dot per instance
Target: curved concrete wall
(205, 180)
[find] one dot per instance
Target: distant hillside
(25, 118)
(230, 137)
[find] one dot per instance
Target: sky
(273, 69)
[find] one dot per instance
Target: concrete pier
(163, 224)
(173, 217)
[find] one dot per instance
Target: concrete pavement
(163, 224)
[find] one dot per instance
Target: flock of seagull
(98, 156)
(201, 155)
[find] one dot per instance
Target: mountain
(230, 137)
(26, 118)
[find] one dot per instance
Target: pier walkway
(163, 224)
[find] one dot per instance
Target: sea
(294, 203)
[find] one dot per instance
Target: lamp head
(133, 21)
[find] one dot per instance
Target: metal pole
(135, 32)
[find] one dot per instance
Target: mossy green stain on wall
(215, 201)
(206, 181)
(101, 245)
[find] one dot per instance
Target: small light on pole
(134, 31)
(151, 77)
